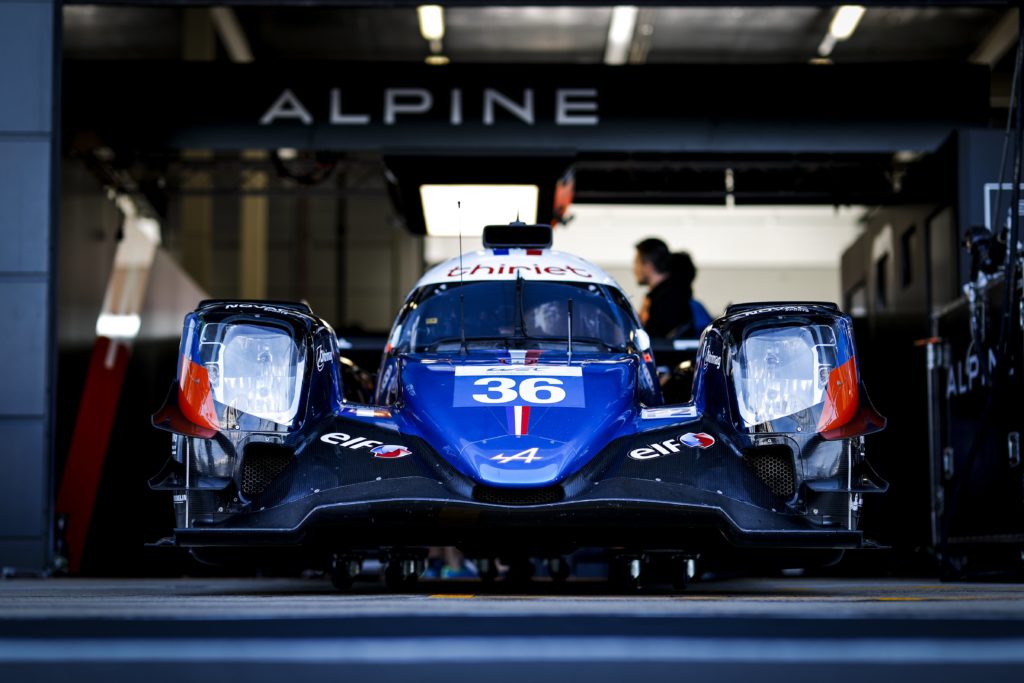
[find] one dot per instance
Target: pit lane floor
(293, 630)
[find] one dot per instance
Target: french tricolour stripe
(518, 420)
(524, 357)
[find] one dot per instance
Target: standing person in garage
(665, 311)
(681, 266)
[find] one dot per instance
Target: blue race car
(517, 414)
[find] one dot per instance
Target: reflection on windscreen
(498, 313)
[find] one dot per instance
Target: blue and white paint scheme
(517, 405)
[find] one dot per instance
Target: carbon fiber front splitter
(619, 512)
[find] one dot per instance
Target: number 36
(532, 390)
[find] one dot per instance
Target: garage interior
(792, 176)
(156, 154)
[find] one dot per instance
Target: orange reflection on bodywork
(840, 397)
(194, 395)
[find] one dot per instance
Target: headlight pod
(232, 370)
(798, 375)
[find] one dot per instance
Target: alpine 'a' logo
(527, 456)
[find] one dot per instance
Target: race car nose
(519, 461)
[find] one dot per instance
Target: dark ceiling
(543, 34)
(937, 34)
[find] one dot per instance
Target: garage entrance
(271, 152)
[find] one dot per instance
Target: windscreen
(501, 312)
(253, 369)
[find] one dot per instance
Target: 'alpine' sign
(573, 107)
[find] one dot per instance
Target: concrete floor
(314, 598)
(301, 629)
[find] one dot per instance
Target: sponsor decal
(713, 359)
(365, 411)
(665, 413)
(263, 307)
(964, 375)
(528, 456)
(322, 356)
(505, 269)
(772, 309)
(351, 442)
(698, 440)
(526, 370)
(656, 450)
(390, 451)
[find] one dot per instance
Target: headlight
(258, 371)
(791, 372)
(238, 369)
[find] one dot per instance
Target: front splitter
(619, 512)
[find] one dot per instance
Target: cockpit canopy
(509, 313)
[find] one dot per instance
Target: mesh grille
(262, 464)
(487, 494)
(774, 466)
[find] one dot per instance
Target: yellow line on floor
(454, 596)
(900, 599)
(700, 597)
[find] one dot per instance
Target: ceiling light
(118, 326)
(480, 205)
(845, 21)
(620, 34)
(231, 33)
(431, 21)
(437, 60)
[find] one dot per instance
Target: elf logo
(351, 442)
(390, 451)
(656, 450)
(698, 440)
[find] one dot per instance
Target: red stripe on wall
(80, 482)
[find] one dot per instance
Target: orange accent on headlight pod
(194, 396)
(841, 399)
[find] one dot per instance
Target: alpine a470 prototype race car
(517, 414)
